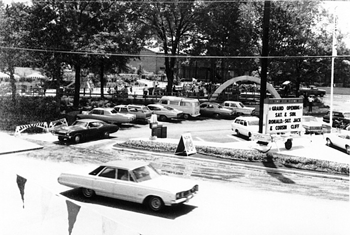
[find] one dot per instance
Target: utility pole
(264, 62)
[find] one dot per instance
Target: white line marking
(235, 138)
(200, 139)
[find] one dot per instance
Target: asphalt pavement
(308, 146)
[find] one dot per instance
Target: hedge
(246, 156)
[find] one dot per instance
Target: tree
(169, 26)
(12, 31)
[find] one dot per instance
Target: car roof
(100, 108)
(249, 118)
(89, 120)
(125, 164)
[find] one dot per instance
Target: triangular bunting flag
(21, 184)
(73, 211)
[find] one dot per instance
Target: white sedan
(132, 181)
(245, 125)
(340, 140)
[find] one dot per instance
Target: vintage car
(133, 181)
(238, 107)
(312, 90)
(143, 114)
(215, 110)
(108, 115)
(311, 125)
(84, 129)
(340, 140)
(339, 118)
(245, 125)
(164, 112)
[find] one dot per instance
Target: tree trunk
(77, 86)
(101, 78)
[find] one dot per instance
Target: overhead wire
(162, 55)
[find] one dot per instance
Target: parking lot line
(235, 138)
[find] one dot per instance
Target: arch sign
(257, 80)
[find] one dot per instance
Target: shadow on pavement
(274, 173)
(167, 213)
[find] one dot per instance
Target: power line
(162, 55)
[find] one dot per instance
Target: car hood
(170, 184)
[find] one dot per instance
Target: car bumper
(181, 200)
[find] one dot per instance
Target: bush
(27, 110)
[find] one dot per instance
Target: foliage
(26, 110)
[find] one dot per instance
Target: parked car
(132, 181)
(189, 106)
(311, 125)
(238, 107)
(340, 140)
(84, 129)
(245, 125)
(142, 112)
(339, 118)
(212, 109)
(109, 115)
(312, 90)
(164, 112)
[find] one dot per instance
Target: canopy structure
(4, 75)
(36, 75)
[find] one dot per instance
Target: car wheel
(237, 132)
(216, 115)
(162, 118)
(106, 134)
(77, 139)
(186, 116)
(328, 142)
(61, 139)
(249, 135)
(155, 203)
(88, 193)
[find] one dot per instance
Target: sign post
(186, 145)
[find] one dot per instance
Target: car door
(104, 184)
(204, 109)
(125, 186)
(93, 129)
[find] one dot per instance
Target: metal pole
(264, 63)
(334, 54)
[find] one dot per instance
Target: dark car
(312, 90)
(84, 129)
(212, 109)
(339, 118)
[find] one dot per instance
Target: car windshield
(145, 173)
(114, 111)
(241, 105)
(309, 119)
(79, 123)
(347, 115)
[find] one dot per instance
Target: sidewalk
(12, 144)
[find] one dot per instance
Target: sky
(342, 11)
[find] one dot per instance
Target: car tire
(60, 139)
(77, 139)
(155, 203)
(162, 118)
(237, 132)
(88, 193)
(106, 135)
(249, 135)
(328, 142)
(186, 116)
(216, 115)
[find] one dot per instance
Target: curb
(300, 172)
